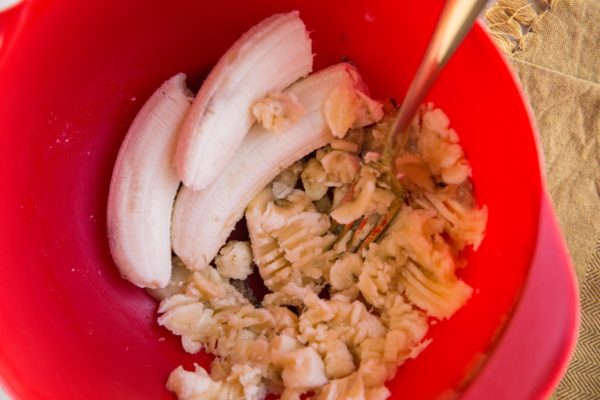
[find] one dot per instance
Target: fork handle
(456, 20)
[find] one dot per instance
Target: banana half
(269, 57)
(143, 187)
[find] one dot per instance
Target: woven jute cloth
(554, 47)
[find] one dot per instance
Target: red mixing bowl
(73, 75)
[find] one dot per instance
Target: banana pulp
(354, 268)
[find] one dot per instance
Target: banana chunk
(235, 260)
(304, 370)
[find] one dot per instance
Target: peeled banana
(202, 220)
(269, 57)
(143, 187)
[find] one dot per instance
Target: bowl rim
(562, 287)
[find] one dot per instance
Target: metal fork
(456, 20)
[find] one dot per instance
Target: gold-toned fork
(456, 20)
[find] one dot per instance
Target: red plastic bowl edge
(530, 363)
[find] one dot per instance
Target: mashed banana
(344, 310)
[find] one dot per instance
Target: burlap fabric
(554, 47)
